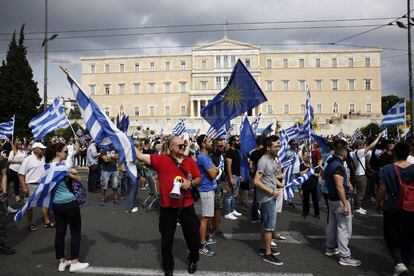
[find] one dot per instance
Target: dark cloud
(93, 14)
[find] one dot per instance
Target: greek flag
(296, 184)
(79, 132)
(357, 134)
(42, 196)
(213, 134)
(284, 146)
(7, 128)
(52, 118)
(103, 130)
(220, 168)
(179, 129)
(341, 134)
(395, 116)
(309, 116)
(287, 168)
(256, 121)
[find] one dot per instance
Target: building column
(191, 108)
(198, 108)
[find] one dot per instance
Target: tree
(371, 129)
(74, 114)
(18, 91)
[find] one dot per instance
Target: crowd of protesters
(347, 176)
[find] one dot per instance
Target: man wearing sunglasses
(170, 168)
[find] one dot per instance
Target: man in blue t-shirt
(208, 184)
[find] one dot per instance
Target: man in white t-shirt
(410, 157)
(360, 180)
(30, 174)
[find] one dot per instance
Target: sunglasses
(221, 146)
(181, 146)
(66, 152)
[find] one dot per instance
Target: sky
(98, 28)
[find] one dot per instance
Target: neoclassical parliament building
(158, 90)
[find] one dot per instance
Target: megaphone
(175, 192)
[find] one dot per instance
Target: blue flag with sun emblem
(241, 94)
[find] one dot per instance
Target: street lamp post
(410, 69)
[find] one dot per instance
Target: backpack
(404, 201)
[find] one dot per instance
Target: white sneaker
(78, 266)
(399, 269)
(134, 210)
(230, 216)
(62, 266)
(273, 244)
(237, 214)
(360, 211)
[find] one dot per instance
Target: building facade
(157, 90)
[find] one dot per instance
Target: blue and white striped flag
(255, 123)
(296, 184)
(103, 130)
(309, 116)
(288, 170)
(357, 135)
(213, 134)
(42, 196)
(284, 146)
(52, 118)
(7, 128)
(395, 116)
(179, 129)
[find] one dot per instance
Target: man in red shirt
(169, 168)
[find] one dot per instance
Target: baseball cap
(38, 145)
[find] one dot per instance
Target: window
(302, 109)
(167, 87)
(121, 67)
(121, 88)
(350, 62)
(121, 110)
(335, 108)
(107, 89)
(92, 68)
(167, 110)
(269, 109)
(285, 109)
(167, 66)
(203, 85)
(368, 84)
(183, 65)
(334, 85)
(302, 85)
(106, 68)
(225, 80)
(92, 88)
(285, 63)
(334, 62)
(247, 62)
(106, 111)
(152, 111)
(218, 61)
(218, 82)
(204, 64)
(268, 63)
(136, 67)
(136, 111)
(137, 87)
(367, 62)
(285, 85)
(226, 61)
(269, 85)
(233, 60)
(368, 108)
(301, 63)
(318, 108)
(152, 66)
(318, 84)
(151, 87)
(183, 110)
(352, 108)
(318, 63)
(183, 86)
(351, 84)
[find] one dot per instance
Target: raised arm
(143, 157)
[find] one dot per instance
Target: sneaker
(103, 203)
(262, 252)
(331, 251)
(400, 269)
(280, 237)
(63, 266)
(211, 240)
(230, 216)
(115, 202)
(134, 210)
(192, 268)
(237, 214)
(255, 221)
(206, 250)
(78, 267)
(349, 261)
(360, 211)
(273, 244)
(272, 259)
(11, 210)
(6, 250)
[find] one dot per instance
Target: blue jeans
(229, 196)
(268, 215)
(125, 185)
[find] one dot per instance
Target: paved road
(118, 243)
